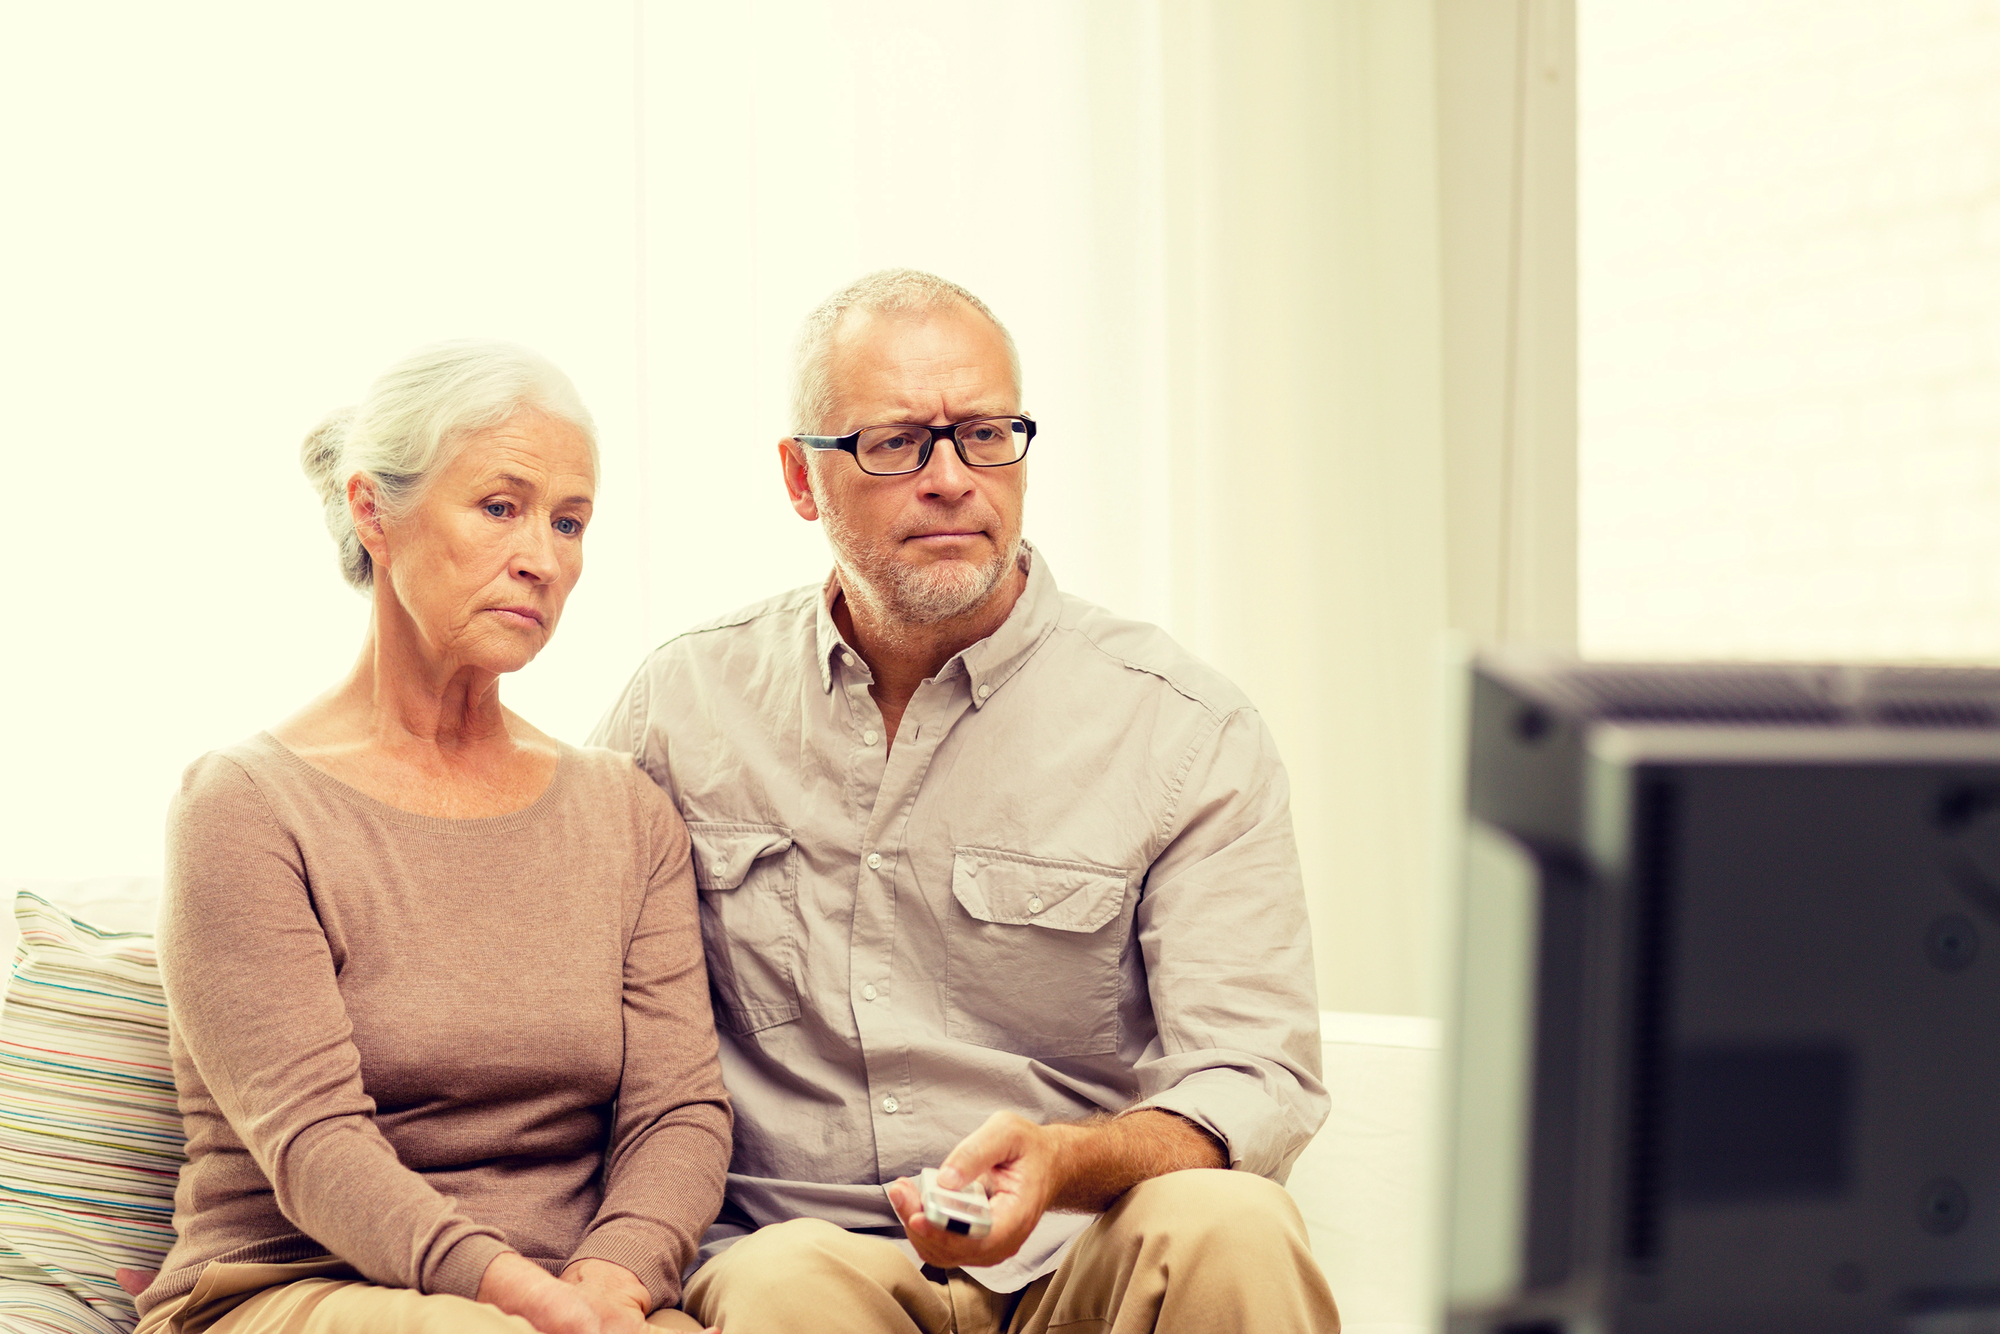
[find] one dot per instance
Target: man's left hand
(1020, 1162)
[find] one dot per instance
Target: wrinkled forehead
(942, 364)
(530, 450)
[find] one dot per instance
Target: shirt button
(846, 658)
(1035, 903)
(874, 861)
(868, 992)
(984, 691)
(890, 1105)
(869, 738)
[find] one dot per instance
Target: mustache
(972, 520)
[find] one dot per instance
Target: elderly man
(992, 881)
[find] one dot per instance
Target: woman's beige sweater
(413, 1043)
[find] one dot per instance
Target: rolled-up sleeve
(1228, 953)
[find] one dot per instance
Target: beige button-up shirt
(1071, 888)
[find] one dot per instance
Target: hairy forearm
(1096, 1161)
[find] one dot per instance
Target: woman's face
(481, 566)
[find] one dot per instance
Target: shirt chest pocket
(748, 878)
(1035, 952)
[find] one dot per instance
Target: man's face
(930, 545)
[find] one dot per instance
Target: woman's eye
(568, 527)
(497, 508)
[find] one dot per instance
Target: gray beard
(923, 596)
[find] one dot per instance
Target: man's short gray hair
(886, 292)
(402, 435)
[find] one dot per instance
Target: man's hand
(1030, 1169)
(519, 1286)
(1019, 1162)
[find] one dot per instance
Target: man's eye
(568, 527)
(497, 508)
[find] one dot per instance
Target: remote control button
(868, 992)
(890, 1105)
(1035, 903)
(874, 861)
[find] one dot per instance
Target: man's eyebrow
(917, 416)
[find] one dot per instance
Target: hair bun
(320, 455)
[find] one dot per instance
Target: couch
(89, 1141)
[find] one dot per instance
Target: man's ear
(363, 509)
(798, 478)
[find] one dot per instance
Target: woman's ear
(366, 515)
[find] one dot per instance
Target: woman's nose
(535, 553)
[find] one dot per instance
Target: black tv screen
(1725, 1049)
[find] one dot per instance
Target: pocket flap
(1014, 890)
(724, 853)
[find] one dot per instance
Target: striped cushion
(90, 1136)
(34, 1306)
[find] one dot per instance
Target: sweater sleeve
(250, 984)
(670, 1139)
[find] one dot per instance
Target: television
(1724, 1054)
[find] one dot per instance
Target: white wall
(1790, 273)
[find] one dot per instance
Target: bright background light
(226, 219)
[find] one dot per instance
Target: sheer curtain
(1265, 262)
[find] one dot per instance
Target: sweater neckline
(438, 824)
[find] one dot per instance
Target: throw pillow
(90, 1133)
(34, 1306)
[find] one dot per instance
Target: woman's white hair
(405, 431)
(886, 292)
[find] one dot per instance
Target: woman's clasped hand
(591, 1297)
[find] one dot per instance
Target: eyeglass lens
(990, 442)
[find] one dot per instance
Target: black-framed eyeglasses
(888, 451)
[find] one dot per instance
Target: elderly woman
(438, 1013)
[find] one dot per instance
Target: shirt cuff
(1243, 1120)
(641, 1250)
(464, 1265)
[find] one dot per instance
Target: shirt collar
(988, 664)
(830, 642)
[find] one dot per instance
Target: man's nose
(945, 474)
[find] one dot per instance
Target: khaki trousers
(330, 1298)
(1187, 1253)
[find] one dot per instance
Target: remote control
(962, 1211)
